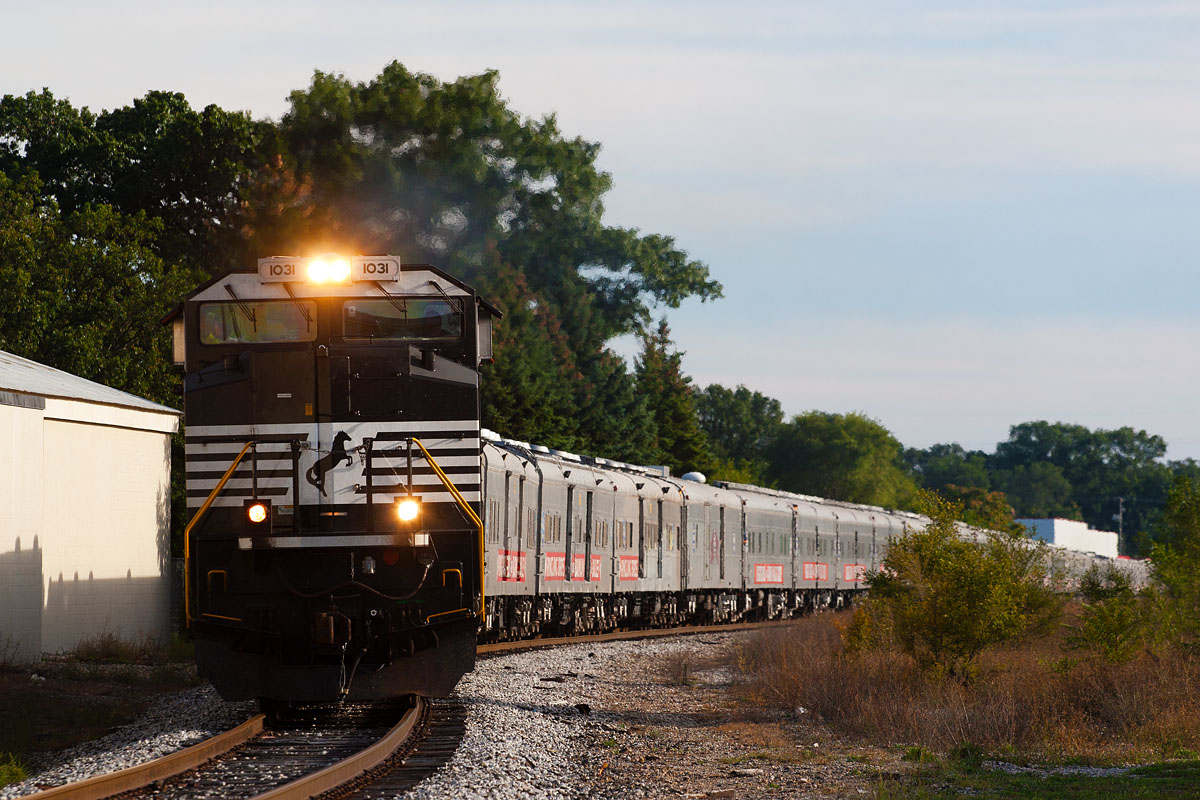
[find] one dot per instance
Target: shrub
(1113, 621)
(944, 599)
(1026, 702)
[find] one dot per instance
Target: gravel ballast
(177, 720)
(615, 719)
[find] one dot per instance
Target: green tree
(1101, 467)
(527, 392)
(669, 400)
(614, 418)
(942, 465)
(983, 509)
(1176, 557)
(840, 456)
(440, 171)
(740, 425)
(191, 170)
(83, 291)
(944, 598)
(1039, 490)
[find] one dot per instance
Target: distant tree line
(108, 219)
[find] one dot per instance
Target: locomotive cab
(333, 477)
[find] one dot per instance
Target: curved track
(353, 754)
(494, 648)
(300, 757)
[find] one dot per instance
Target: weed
(918, 754)
(10, 654)
(967, 755)
(676, 670)
(107, 647)
(12, 770)
(773, 756)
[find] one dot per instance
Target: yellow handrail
(466, 507)
(187, 534)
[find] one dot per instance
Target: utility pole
(1120, 518)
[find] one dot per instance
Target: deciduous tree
(740, 425)
(840, 456)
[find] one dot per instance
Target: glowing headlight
(257, 513)
(328, 269)
(318, 270)
(339, 270)
(408, 509)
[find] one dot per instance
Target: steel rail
(145, 774)
(647, 633)
(336, 774)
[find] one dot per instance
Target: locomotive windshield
(400, 318)
(258, 322)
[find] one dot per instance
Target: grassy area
(55, 705)
(1164, 781)
(1034, 703)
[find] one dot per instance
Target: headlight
(257, 513)
(328, 269)
(258, 516)
(408, 509)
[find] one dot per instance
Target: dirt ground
(55, 705)
(682, 733)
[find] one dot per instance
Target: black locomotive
(333, 477)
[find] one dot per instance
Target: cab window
(400, 318)
(258, 322)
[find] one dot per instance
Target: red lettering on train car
(768, 573)
(628, 568)
(854, 572)
(815, 571)
(512, 565)
(578, 573)
(597, 563)
(556, 566)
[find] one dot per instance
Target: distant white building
(1073, 535)
(85, 511)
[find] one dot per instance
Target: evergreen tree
(528, 393)
(670, 401)
(614, 418)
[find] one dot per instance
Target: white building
(85, 518)
(1073, 535)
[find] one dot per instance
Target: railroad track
(355, 752)
(493, 648)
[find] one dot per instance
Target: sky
(951, 216)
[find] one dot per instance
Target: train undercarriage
(510, 618)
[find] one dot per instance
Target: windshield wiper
(243, 307)
(303, 311)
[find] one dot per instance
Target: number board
(280, 269)
(374, 268)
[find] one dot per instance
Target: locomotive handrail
(187, 532)
(466, 507)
